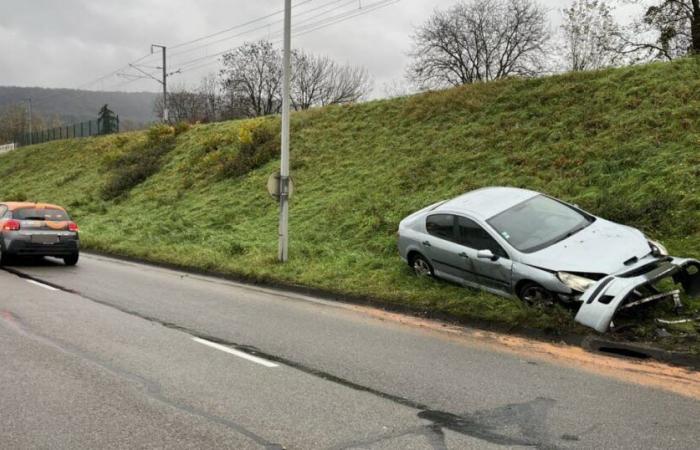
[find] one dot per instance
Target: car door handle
(426, 244)
(463, 255)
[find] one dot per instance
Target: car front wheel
(71, 260)
(532, 294)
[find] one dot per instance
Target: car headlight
(575, 282)
(657, 249)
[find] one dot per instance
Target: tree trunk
(695, 28)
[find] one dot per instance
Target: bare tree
(589, 33)
(211, 100)
(318, 81)
(668, 29)
(253, 74)
(480, 40)
(14, 122)
(396, 88)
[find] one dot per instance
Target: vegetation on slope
(621, 143)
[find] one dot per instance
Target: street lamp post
(283, 253)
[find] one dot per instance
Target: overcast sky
(70, 43)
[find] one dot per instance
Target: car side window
(472, 235)
(3, 210)
(441, 225)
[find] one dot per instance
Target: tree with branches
(320, 81)
(589, 36)
(252, 74)
(480, 40)
(668, 29)
(252, 80)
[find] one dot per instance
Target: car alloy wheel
(421, 267)
(535, 295)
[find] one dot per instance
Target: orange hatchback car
(37, 229)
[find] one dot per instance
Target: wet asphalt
(110, 360)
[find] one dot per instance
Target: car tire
(421, 266)
(71, 260)
(533, 294)
(4, 257)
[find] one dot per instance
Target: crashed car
(525, 244)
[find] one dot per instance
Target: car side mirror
(486, 254)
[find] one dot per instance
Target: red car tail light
(72, 226)
(11, 225)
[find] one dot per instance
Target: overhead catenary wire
(250, 22)
(302, 27)
(258, 28)
(297, 31)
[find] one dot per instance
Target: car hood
(602, 247)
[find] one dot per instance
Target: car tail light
(11, 225)
(72, 226)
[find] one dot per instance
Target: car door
(493, 273)
(450, 259)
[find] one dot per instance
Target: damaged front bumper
(604, 299)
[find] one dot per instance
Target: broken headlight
(657, 249)
(575, 282)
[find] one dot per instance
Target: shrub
(136, 164)
(181, 127)
(259, 144)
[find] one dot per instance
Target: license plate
(44, 239)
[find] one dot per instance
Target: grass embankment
(621, 143)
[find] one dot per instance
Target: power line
(262, 27)
(304, 29)
(250, 22)
(89, 83)
(301, 27)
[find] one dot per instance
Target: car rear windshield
(538, 223)
(50, 214)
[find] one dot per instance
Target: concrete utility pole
(284, 166)
(165, 80)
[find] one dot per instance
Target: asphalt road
(132, 356)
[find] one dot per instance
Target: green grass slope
(623, 143)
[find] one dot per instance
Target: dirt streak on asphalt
(682, 381)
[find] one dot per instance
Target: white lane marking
(45, 286)
(240, 354)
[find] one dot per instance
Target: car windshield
(538, 223)
(49, 214)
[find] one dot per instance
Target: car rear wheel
(4, 257)
(421, 267)
(71, 260)
(532, 294)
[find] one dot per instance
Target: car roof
(13, 206)
(487, 202)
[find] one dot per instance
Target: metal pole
(165, 88)
(30, 121)
(283, 253)
(164, 81)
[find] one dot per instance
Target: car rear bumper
(28, 248)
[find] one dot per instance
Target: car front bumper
(605, 298)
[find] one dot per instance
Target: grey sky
(69, 43)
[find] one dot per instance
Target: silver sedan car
(517, 242)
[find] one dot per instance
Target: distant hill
(71, 105)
